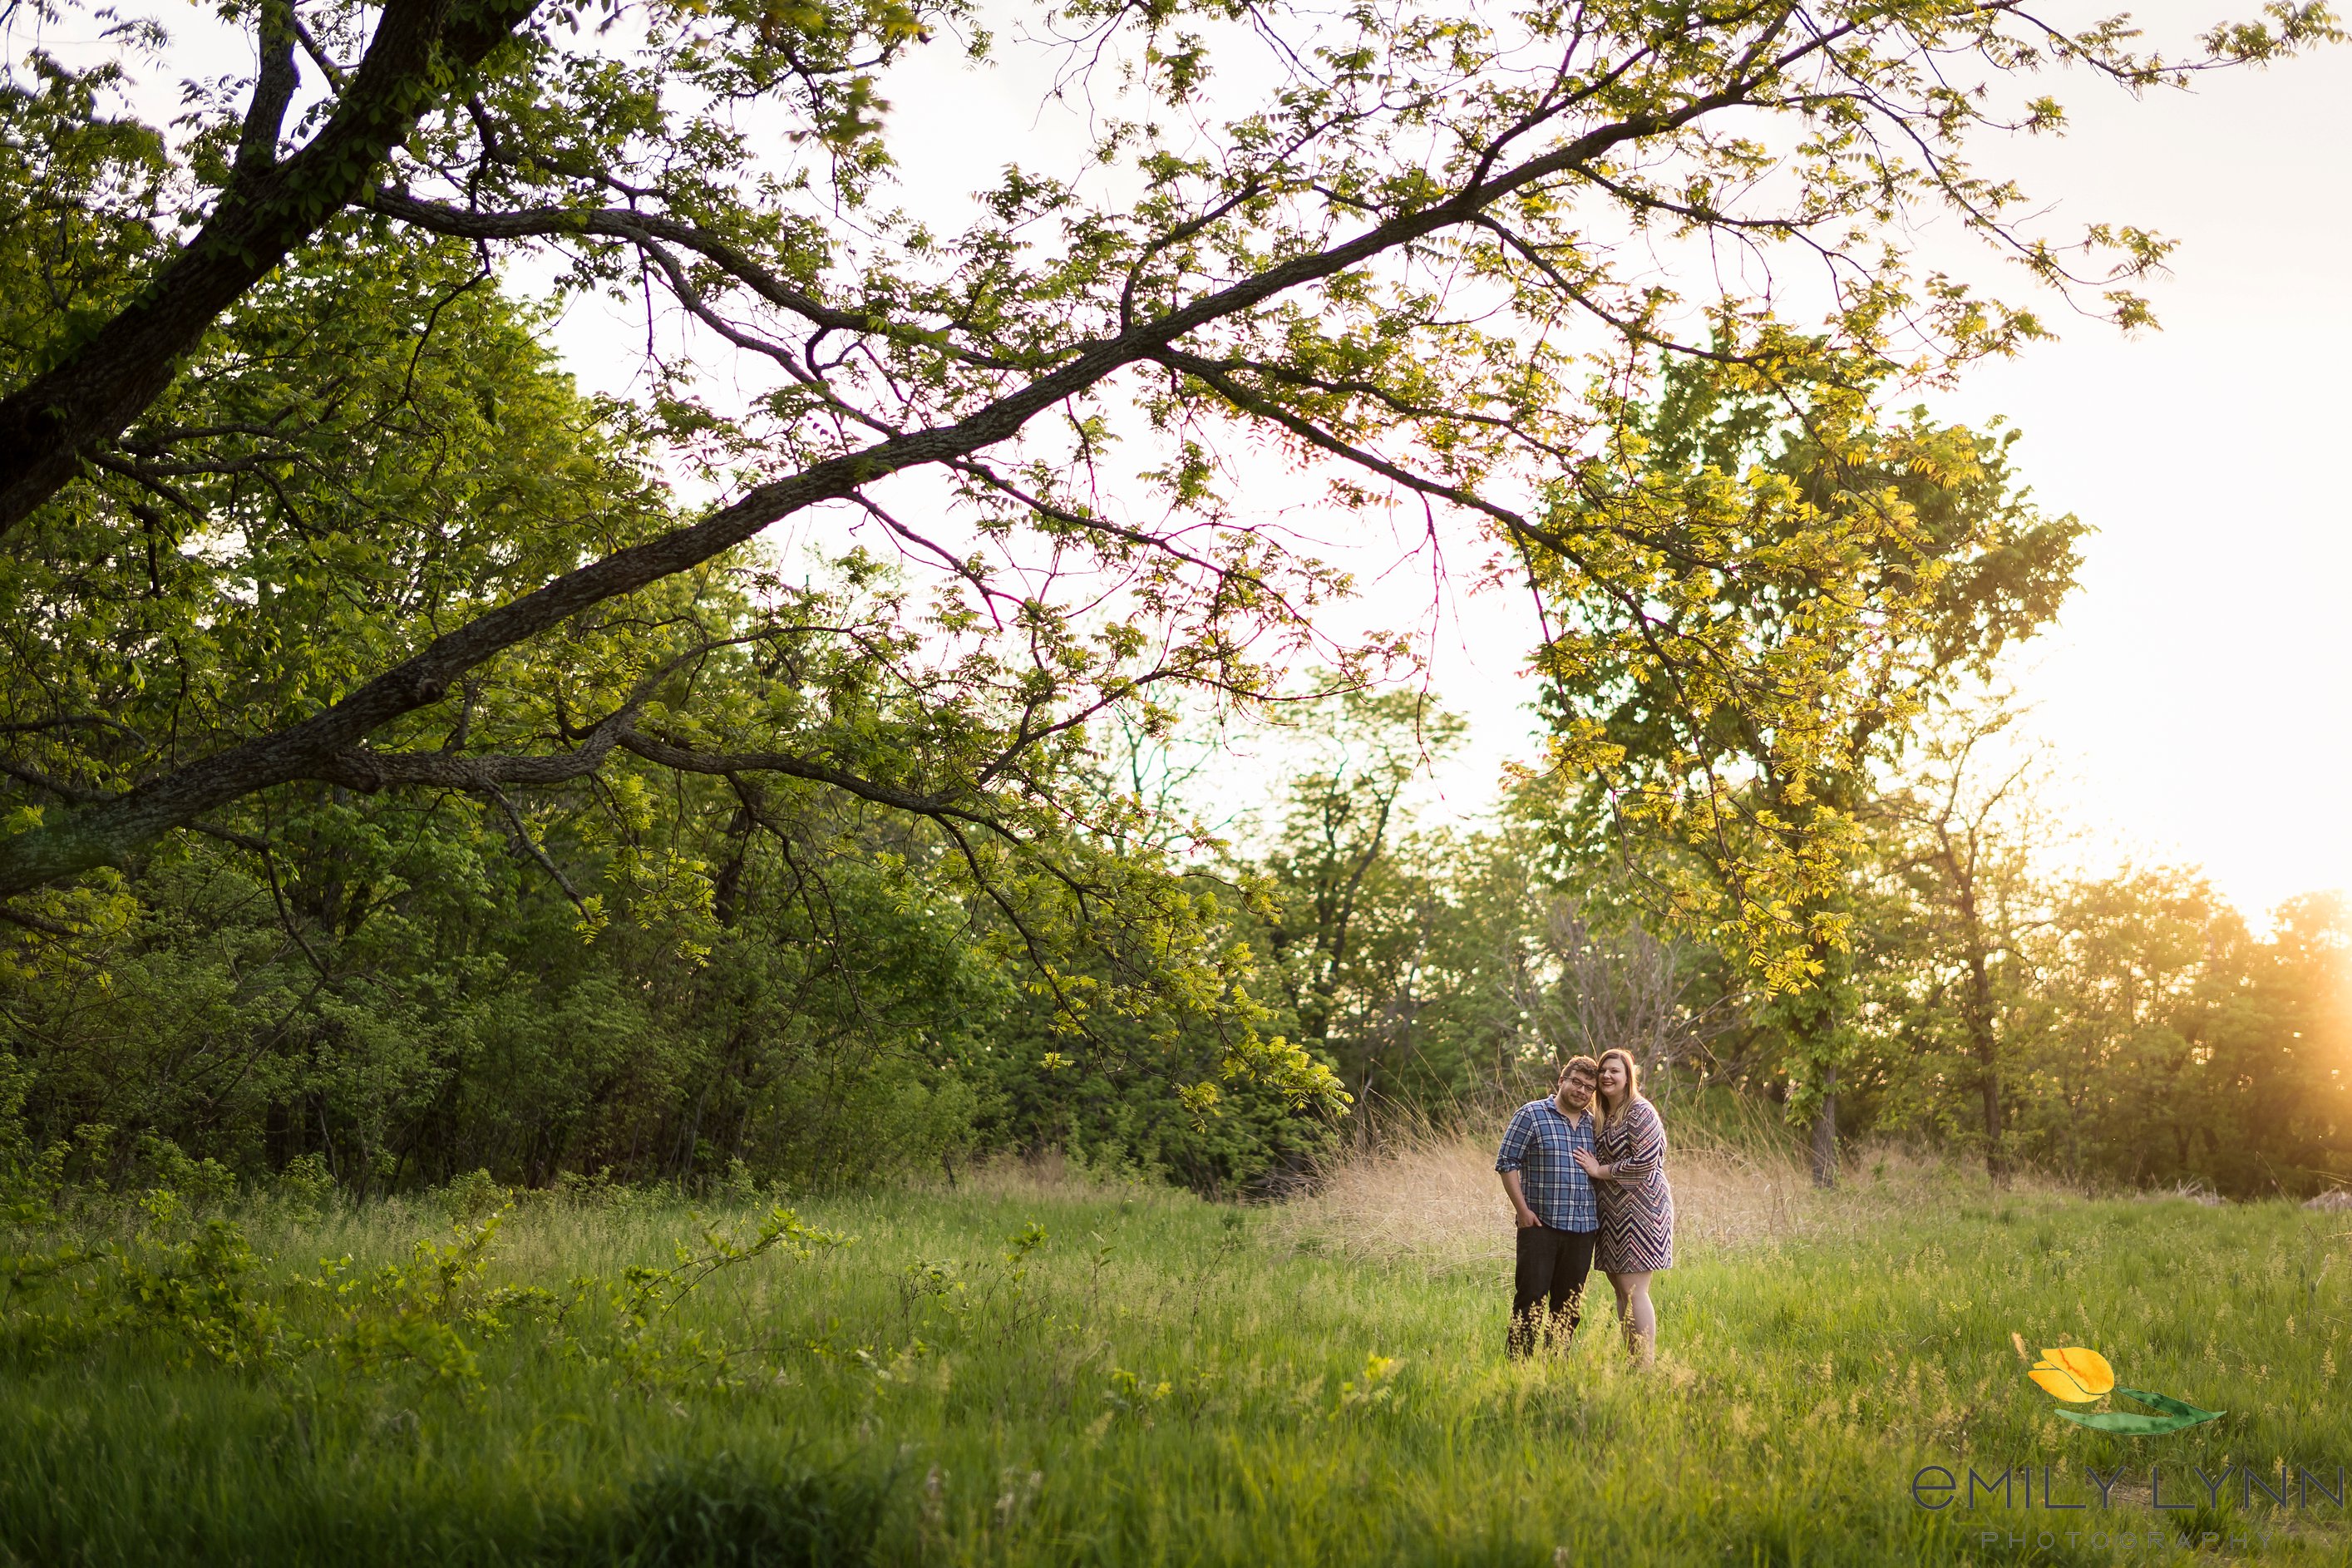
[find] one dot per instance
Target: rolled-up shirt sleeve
(1516, 1139)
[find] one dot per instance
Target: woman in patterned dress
(1628, 1167)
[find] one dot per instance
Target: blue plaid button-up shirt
(1541, 1144)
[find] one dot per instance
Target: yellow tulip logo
(2074, 1375)
(2080, 1376)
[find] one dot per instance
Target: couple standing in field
(1586, 1171)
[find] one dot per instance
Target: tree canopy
(1403, 263)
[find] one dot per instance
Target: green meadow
(1020, 1371)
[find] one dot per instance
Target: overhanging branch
(330, 745)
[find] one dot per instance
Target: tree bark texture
(1824, 1148)
(269, 209)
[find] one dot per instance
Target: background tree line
(824, 969)
(1967, 985)
(1998, 1002)
(411, 763)
(689, 977)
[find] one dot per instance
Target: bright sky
(2200, 681)
(2198, 684)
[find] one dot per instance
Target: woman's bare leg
(1636, 1316)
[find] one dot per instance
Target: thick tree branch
(268, 208)
(327, 746)
(730, 763)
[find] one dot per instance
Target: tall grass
(1162, 1380)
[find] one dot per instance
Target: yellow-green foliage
(1023, 1374)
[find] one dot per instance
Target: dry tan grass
(1048, 1175)
(1435, 1196)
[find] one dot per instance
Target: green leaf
(2180, 1416)
(2171, 1405)
(2130, 1424)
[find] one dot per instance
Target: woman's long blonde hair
(1602, 1115)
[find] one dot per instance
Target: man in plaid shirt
(1553, 1201)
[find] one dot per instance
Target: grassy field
(1031, 1371)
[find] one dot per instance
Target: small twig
(522, 838)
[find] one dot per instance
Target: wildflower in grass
(1372, 1387)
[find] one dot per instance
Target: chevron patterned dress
(1637, 1209)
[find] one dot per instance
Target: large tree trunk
(1824, 1148)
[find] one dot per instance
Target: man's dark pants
(1553, 1267)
